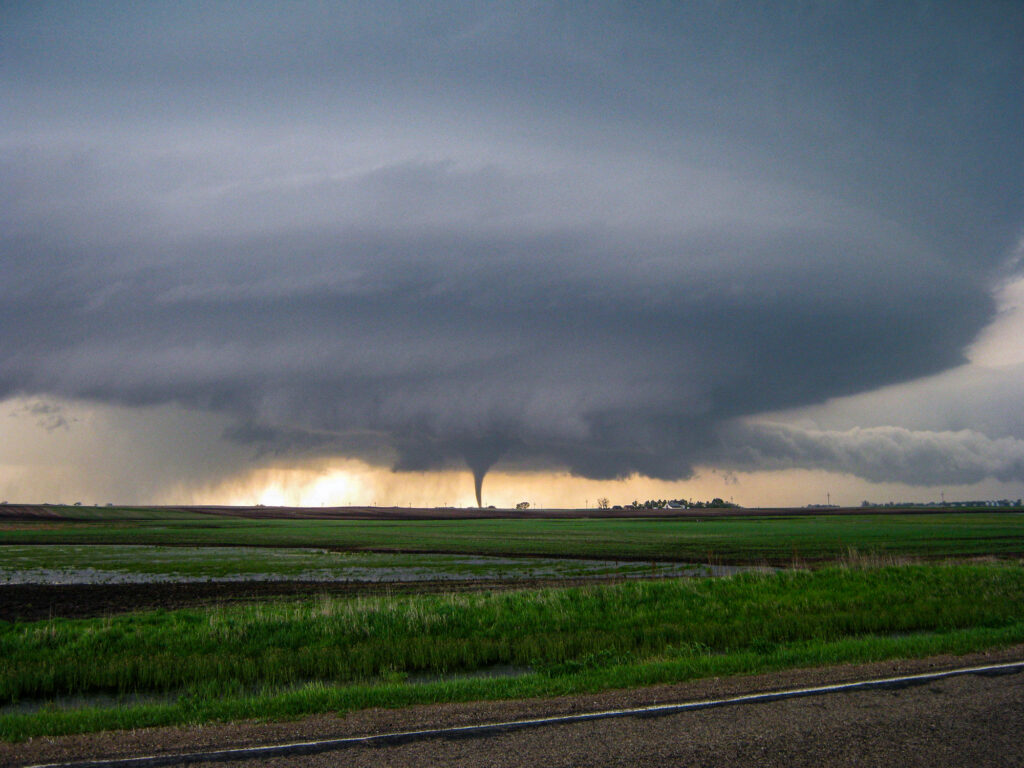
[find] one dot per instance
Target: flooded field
(141, 564)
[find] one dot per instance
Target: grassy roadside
(286, 660)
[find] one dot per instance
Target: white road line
(326, 745)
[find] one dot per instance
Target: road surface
(973, 720)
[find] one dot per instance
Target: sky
(357, 253)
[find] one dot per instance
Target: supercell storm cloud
(589, 238)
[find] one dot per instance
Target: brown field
(36, 602)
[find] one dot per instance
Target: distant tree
(715, 503)
(602, 503)
(523, 505)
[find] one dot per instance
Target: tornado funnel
(481, 455)
(478, 485)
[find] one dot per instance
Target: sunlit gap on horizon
(350, 482)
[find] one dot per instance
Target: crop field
(741, 540)
(126, 618)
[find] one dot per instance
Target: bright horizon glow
(354, 483)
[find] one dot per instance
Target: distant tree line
(715, 503)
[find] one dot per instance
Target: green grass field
(908, 593)
(288, 659)
(777, 540)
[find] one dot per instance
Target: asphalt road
(972, 720)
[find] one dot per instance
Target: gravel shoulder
(177, 740)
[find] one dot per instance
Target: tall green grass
(329, 653)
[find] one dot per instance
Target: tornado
(481, 455)
(478, 484)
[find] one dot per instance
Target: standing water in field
(139, 564)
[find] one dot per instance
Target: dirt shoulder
(191, 739)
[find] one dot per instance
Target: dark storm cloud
(576, 239)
